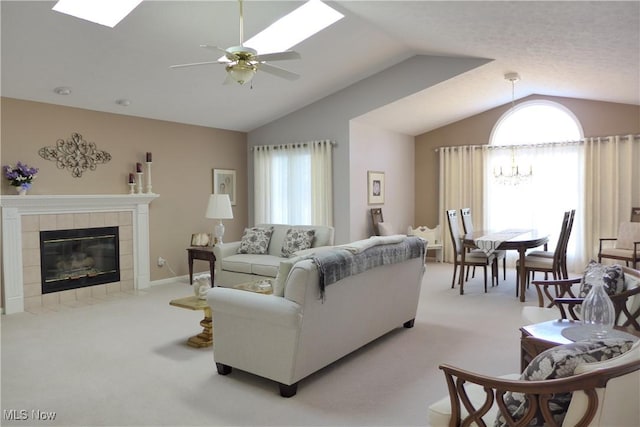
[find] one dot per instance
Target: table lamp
(219, 207)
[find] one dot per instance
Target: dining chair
(563, 240)
(474, 257)
(376, 217)
(544, 264)
(627, 244)
(467, 225)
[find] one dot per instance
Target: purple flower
(21, 175)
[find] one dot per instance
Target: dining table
(509, 239)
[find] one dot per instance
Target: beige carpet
(123, 361)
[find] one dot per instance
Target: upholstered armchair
(626, 247)
(558, 299)
(601, 395)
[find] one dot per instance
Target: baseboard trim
(182, 279)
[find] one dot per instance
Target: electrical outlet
(161, 261)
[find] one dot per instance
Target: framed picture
(375, 187)
(224, 182)
(202, 239)
(635, 214)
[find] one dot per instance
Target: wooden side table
(204, 338)
(541, 336)
(204, 254)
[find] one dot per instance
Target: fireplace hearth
(78, 258)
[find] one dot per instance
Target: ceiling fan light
(241, 72)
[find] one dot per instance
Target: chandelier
(513, 174)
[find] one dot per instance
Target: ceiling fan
(243, 62)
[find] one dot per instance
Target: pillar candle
(139, 167)
(132, 178)
(148, 157)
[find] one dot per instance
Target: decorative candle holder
(132, 188)
(139, 182)
(149, 176)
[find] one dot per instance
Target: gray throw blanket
(337, 264)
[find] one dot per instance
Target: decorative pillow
(297, 239)
(386, 229)
(255, 240)
(612, 275)
(560, 362)
(283, 273)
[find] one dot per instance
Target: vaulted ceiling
(573, 49)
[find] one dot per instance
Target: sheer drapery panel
(461, 186)
(539, 201)
(612, 181)
(293, 183)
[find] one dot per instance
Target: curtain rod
(542, 144)
(293, 145)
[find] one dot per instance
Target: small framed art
(224, 182)
(375, 187)
(202, 239)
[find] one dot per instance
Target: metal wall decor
(75, 154)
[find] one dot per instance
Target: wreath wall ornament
(75, 154)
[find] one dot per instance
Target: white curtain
(321, 183)
(538, 202)
(599, 177)
(461, 186)
(612, 180)
(293, 183)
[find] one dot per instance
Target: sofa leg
(409, 323)
(223, 369)
(288, 390)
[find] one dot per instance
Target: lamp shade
(219, 207)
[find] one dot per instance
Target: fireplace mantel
(14, 207)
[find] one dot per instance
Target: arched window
(535, 122)
(529, 141)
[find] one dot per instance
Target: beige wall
(597, 119)
(183, 159)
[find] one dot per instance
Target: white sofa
(233, 268)
(286, 338)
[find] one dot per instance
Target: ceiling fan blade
(277, 71)
(229, 55)
(278, 56)
(193, 64)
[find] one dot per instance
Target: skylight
(307, 20)
(103, 12)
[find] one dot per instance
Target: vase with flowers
(20, 176)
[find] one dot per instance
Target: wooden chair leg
(485, 279)
(455, 269)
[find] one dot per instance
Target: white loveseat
(233, 268)
(286, 338)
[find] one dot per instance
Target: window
(529, 138)
(293, 184)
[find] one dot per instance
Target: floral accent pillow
(255, 240)
(560, 362)
(612, 276)
(297, 239)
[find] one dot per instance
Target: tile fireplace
(24, 218)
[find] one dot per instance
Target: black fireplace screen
(77, 258)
